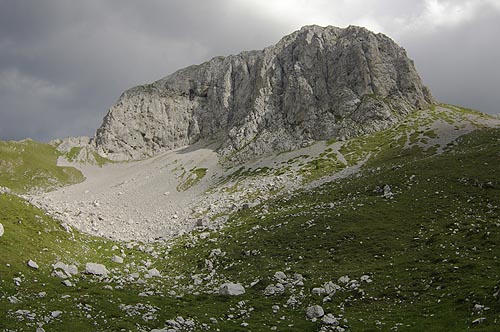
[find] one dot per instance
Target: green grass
(30, 234)
(100, 160)
(431, 251)
(93, 156)
(29, 165)
(191, 178)
(73, 153)
(320, 167)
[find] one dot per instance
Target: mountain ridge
(314, 84)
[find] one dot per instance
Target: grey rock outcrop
(77, 149)
(314, 84)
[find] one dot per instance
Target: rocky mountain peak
(314, 84)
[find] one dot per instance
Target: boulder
(231, 289)
(96, 269)
(62, 270)
(315, 311)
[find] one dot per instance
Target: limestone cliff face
(314, 84)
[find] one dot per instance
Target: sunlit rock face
(314, 84)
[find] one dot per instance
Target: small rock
(1, 230)
(17, 281)
(366, 278)
(329, 319)
(387, 192)
(331, 288)
(32, 264)
(478, 321)
(478, 307)
(280, 276)
(318, 291)
(231, 289)
(274, 289)
(12, 299)
(67, 283)
(315, 311)
(64, 271)
(154, 273)
(117, 259)
(204, 235)
(344, 279)
(66, 227)
(56, 313)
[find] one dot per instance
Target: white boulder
(32, 264)
(231, 289)
(96, 269)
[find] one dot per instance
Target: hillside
(395, 230)
(29, 166)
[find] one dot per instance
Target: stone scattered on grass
(329, 319)
(56, 313)
(67, 283)
(478, 321)
(96, 269)
(64, 271)
(33, 264)
(231, 289)
(117, 259)
(153, 273)
(315, 311)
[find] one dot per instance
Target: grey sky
(64, 63)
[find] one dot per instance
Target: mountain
(394, 230)
(314, 84)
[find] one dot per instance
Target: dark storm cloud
(460, 64)
(62, 63)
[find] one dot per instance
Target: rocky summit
(314, 84)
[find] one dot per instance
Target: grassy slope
(29, 165)
(431, 252)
